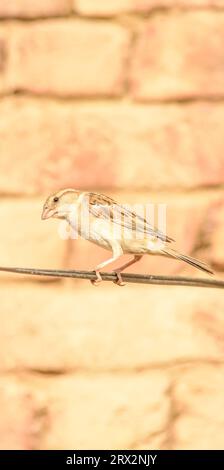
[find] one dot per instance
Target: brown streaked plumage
(111, 226)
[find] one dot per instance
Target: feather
(188, 259)
(108, 209)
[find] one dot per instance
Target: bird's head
(59, 205)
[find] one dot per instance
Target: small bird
(101, 220)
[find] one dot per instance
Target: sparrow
(101, 220)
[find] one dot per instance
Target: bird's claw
(97, 281)
(119, 281)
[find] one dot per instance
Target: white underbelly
(104, 234)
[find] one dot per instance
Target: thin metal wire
(127, 277)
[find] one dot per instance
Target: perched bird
(103, 221)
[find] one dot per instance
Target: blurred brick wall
(125, 97)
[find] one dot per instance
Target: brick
(27, 241)
(143, 5)
(109, 146)
(60, 328)
(22, 415)
(101, 412)
(34, 411)
(42, 8)
(5, 54)
(102, 8)
(216, 230)
(112, 7)
(27, 9)
(187, 65)
(69, 58)
(196, 3)
(212, 231)
(49, 135)
(185, 215)
(198, 399)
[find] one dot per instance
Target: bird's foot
(98, 280)
(119, 281)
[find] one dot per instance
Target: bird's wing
(106, 208)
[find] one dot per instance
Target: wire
(127, 277)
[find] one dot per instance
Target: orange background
(122, 97)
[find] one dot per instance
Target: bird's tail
(192, 261)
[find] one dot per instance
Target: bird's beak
(47, 213)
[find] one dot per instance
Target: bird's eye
(56, 199)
